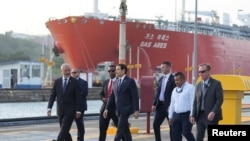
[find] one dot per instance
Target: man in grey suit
(207, 103)
(69, 103)
(125, 98)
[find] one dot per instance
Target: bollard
(147, 95)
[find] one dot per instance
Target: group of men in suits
(122, 100)
(201, 106)
(70, 92)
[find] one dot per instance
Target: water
(39, 109)
(246, 99)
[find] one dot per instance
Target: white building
(21, 75)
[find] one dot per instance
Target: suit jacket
(126, 98)
(70, 101)
(213, 99)
(168, 91)
(83, 86)
(103, 94)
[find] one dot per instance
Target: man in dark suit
(83, 86)
(207, 103)
(162, 99)
(66, 91)
(125, 98)
(105, 93)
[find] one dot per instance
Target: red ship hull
(88, 41)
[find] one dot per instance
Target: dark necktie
(64, 85)
(204, 89)
(119, 84)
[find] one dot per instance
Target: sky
(29, 16)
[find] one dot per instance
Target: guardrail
(38, 120)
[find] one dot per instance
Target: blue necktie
(163, 87)
(64, 85)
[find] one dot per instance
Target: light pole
(122, 37)
(175, 13)
(195, 46)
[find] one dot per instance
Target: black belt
(161, 102)
(202, 111)
(183, 113)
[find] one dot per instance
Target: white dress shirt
(163, 86)
(182, 99)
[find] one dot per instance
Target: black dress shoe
(53, 140)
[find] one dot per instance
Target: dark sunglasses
(202, 71)
(111, 70)
(73, 72)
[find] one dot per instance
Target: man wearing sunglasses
(207, 102)
(106, 91)
(83, 86)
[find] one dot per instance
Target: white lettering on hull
(155, 41)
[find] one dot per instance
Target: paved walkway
(49, 131)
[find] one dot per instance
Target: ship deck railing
(242, 33)
(211, 29)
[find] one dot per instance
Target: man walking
(66, 91)
(125, 98)
(83, 87)
(180, 109)
(161, 103)
(207, 106)
(105, 93)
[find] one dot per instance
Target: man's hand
(49, 112)
(211, 116)
(192, 120)
(105, 100)
(78, 115)
(153, 108)
(170, 121)
(136, 114)
(105, 114)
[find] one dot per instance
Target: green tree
(27, 47)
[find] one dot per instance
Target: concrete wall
(12, 95)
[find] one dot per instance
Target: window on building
(24, 71)
(36, 70)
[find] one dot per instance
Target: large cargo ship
(88, 40)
